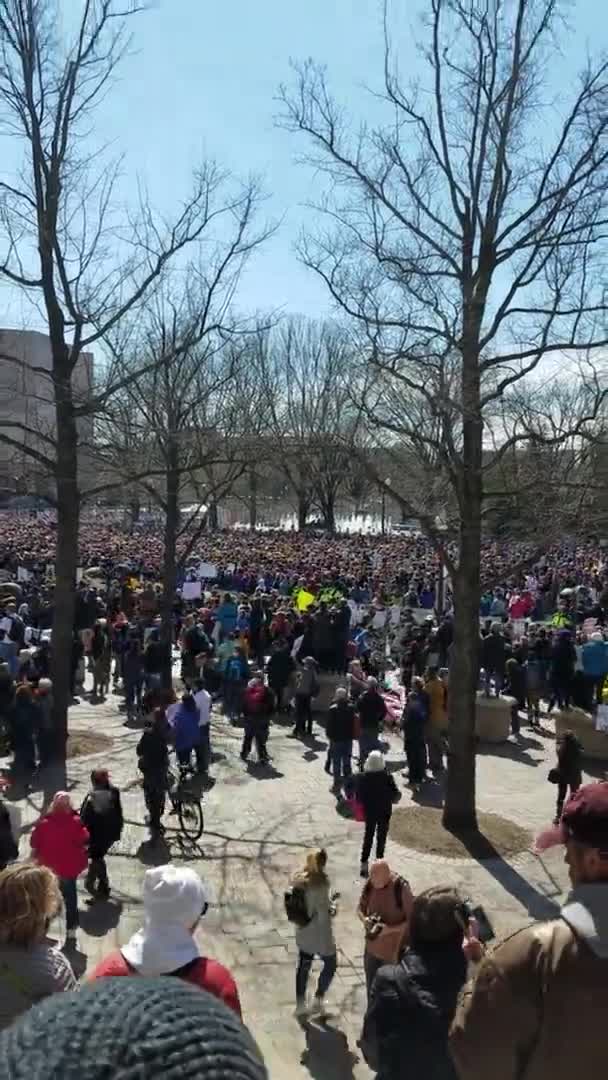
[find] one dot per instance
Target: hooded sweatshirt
(537, 1009)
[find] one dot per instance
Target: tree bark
(169, 565)
(303, 509)
(253, 499)
(212, 517)
(68, 514)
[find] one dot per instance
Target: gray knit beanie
(130, 1029)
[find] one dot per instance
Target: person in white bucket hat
(175, 899)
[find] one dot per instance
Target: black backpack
(295, 905)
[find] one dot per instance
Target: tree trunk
(253, 498)
(459, 808)
(169, 567)
(212, 517)
(68, 513)
(303, 509)
(328, 506)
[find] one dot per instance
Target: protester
(258, 705)
(133, 676)
(595, 668)
(413, 1002)
(101, 653)
(153, 762)
(59, 840)
(307, 688)
(101, 814)
(372, 710)
(340, 731)
(316, 936)
(155, 1029)
(23, 722)
(437, 723)
(539, 1000)
(31, 968)
(414, 724)
(236, 672)
(186, 730)
(377, 792)
(384, 909)
(203, 701)
(280, 669)
(568, 771)
(175, 900)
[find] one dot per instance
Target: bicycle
(186, 802)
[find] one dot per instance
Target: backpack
(295, 905)
(399, 884)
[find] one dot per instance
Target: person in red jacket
(175, 899)
(59, 841)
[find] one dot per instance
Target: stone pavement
(259, 822)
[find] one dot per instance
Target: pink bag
(356, 808)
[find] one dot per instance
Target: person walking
(280, 669)
(31, 967)
(568, 771)
(101, 653)
(563, 660)
(316, 937)
(133, 675)
(372, 710)
(595, 668)
(59, 840)
(258, 705)
(377, 791)
(437, 723)
(340, 731)
(101, 814)
(384, 909)
(236, 672)
(204, 703)
(175, 899)
(307, 688)
(153, 762)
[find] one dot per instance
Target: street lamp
(383, 505)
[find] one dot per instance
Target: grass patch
(421, 829)
(81, 743)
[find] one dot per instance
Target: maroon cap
(585, 815)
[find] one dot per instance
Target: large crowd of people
(260, 623)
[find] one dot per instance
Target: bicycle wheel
(190, 814)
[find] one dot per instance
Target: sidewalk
(258, 825)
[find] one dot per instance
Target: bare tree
(80, 260)
(304, 367)
(466, 243)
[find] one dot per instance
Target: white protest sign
(23, 574)
(207, 570)
(601, 719)
(191, 590)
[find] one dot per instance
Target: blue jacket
(595, 658)
(236, 669)
(227, 616)
(185, 728)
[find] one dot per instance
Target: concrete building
(26, 398)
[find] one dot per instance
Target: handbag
(554, 776)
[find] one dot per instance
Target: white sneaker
(301, 1010)
(319, 1008)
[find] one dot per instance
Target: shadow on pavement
(100, 916)
(538, 905)
(327, 1055)
(263, 772)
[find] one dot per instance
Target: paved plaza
(259, 822)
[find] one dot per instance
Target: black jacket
(372, 709)
(493, 652)
(411, 1008)
(377, 791)
(101, 812)
(153, 755)
(340, 722)
(280, 667)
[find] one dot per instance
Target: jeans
(233, 694)
(379, 828)
(68, 891)
(330, 963)
(562, 789)
(154, 795)
(368, 741)
(133, 689)
(203, 750)
(435, 748)
(98, 874)
(303, 714)
(152, 680)
(255, 730)
(371, 965)
(341, 753)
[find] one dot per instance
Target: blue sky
(202, 78)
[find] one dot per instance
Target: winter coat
(411, 1007)
(280, 668)
(308, 683)
(595, 659)
(377, 791)
(569, 762)
(101, 814)
(538, 1005)
(415, 715)
(59, 840)
(340, 722)
(186, 731)
(226, 615)
(153, 756)
(493, 653)
(372, 710)
(563, 659)
(317, 937)
(236, 669)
